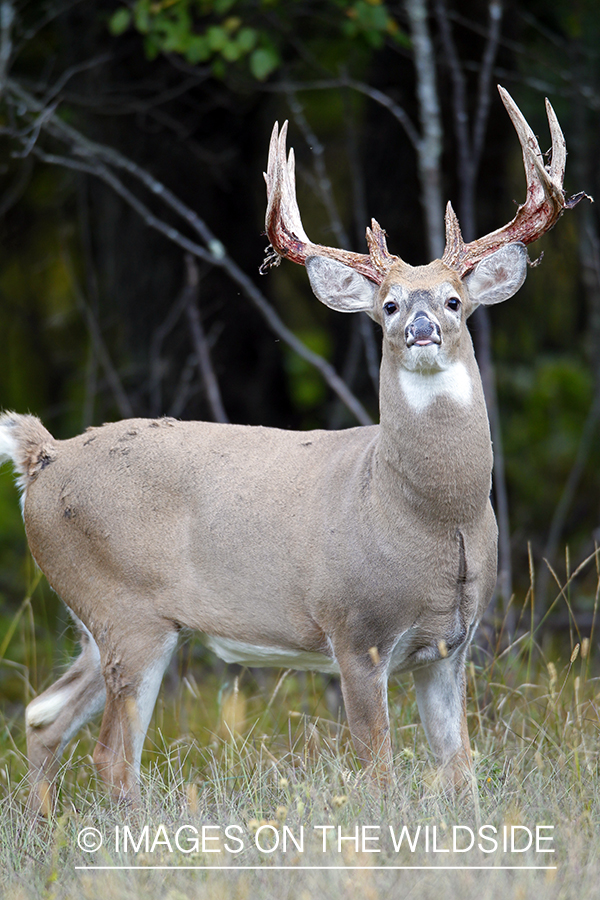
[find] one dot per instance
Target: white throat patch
(422, 388)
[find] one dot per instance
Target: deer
(362, 551)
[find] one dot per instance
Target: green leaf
(398, 35)
(141, 17)
(232, 24)
(120, 21)
(231, 51)
(151, 47)
(263, 61)
(172, 36)
(219, 68)
(246, 39)
(216, 37)
(371, 18)
(223, 6)
(197, 49)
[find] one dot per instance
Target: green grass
(271, 749)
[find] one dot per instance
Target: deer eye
(389, 308)
(453, 303)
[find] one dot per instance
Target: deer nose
(422, 331)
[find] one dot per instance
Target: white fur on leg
(85, 693)
(44, 710)
(145, 700)
(439, 688)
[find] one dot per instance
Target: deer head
(421, 309)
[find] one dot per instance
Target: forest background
(133, 138)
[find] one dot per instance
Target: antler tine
(284, 228)
(539, 178)
(454, 238)
(379, 254)
(543, 205)
(281, 185)
(559, 147)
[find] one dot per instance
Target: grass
(267, 755)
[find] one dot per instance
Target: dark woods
(133, 140)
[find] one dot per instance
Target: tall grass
(269, 753)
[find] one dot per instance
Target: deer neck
(434, 449)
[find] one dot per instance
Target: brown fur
(374, 547)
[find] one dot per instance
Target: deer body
(271, 534)
(360, 551)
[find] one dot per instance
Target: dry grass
(242, 755)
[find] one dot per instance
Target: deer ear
(340, 287)
(498, 276)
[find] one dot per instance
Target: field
(253, 772)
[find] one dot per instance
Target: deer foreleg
(364, 688)
(441, 698)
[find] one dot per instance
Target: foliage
(226, 32)
(548, 406)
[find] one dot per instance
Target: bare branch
(186, 388)
(372, 349)
(95, 160)
(15, 191)
(484, 90)
(351, 363)
(469, 148)
(323, 182)
(58, 87)
(112, 376)
(200, 343)
(155, 361)
(33, 130)
(398, 112)
(7, 18)
(461, 117)
(430, 144)
(92, 295)
(53, 11)
(569, 491)
(342, 237)
(104, 173)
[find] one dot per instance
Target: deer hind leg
(56, 715)
(133, 675)
(442, 701)
(364, 688)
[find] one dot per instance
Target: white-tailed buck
(361, 551)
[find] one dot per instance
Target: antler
(544, 204)
(284, 225)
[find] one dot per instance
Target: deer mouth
(423, 342)
(422, 332)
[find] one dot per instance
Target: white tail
(361, 551)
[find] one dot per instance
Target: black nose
(422, 328)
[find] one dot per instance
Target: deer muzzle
(422, 331)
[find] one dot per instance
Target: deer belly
(232, 651)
